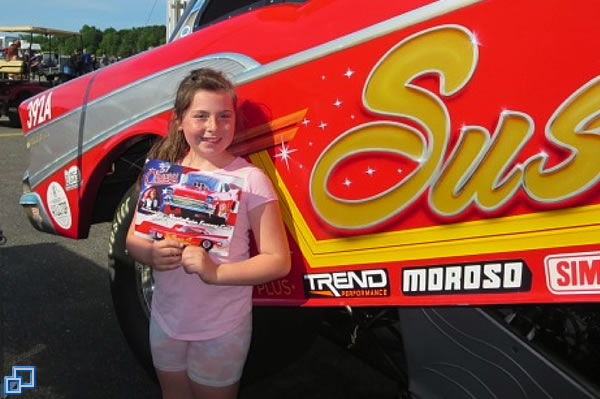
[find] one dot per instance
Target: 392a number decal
(39, 110)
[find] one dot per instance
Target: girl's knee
(175, 384)
(201, 391)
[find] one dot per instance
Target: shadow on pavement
(290, 358)
(58, 316)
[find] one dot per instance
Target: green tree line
(114, 43)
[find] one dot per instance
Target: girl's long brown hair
(173, 147)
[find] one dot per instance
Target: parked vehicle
(6, 40)
(435, 162)
(17, 80)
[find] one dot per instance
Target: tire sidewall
(124, 284)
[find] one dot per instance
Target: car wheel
(157, 236)
(131, 284)
(207, 244)
(13, 116)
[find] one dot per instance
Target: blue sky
(73, 14)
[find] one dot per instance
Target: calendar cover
(192, 206)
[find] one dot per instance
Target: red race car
(425, 153)
(198, 194)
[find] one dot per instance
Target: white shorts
(215, 362)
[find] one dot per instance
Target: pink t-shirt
(187, 308)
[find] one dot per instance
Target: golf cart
(28, 76)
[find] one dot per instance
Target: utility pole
(174, 10)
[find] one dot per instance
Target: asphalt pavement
(56, 314)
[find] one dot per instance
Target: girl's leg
(175, 385)
(169, 357)
(215, 365)
(207, 392)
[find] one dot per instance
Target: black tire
(206, 244)
(13, 116)
(125, 282)
(13, 119)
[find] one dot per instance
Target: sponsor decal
(39, 110)
(347, 284)
(72, 178)
(490, 277)
(58, 205)
(573, 273)
(282, 287)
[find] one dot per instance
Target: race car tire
(131, 310)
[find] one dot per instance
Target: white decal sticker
(72, 178)
(58, 204)
(39, 110)
(573, 273)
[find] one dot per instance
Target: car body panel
(424, 153)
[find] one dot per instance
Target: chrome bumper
(34, 208)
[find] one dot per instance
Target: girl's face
(209, 123)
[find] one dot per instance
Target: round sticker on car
(58, 204)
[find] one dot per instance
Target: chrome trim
(115, 112)
(25, 179)
(33, 200)
(145, 286)
(30, 199)
(252, 71)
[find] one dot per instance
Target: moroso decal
(574, 273)
(348, 284)
(493, 277)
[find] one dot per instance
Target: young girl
(201, 319)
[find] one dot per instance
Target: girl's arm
(161, 255)
(272, 262)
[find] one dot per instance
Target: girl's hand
(196, 260)
(166, 254)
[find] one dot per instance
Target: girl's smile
(210, 139)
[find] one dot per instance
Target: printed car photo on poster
(188, 205)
